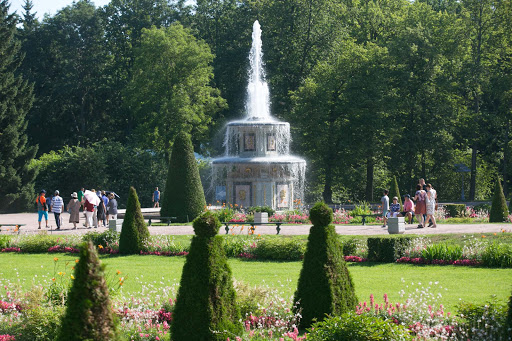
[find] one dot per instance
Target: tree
(206, 302)
(134, 231)
(170, 90)
(394, 191)
(325, 286)
(89, 313)
(16, 97)
(499, 209)
(184, 196)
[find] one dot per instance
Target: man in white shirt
(57, 207)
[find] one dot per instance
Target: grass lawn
(476, 285)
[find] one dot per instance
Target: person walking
(89, 212)
(430, 202)
(101, 213)
(42, 208)
(80, 197)
(156, 198)
(104, 198)
(57, 207)
(74, 209)
(420, 209)
(112, 207)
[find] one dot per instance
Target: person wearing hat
(42, 208)
(57, 207)
(408, 208)
(74, 209)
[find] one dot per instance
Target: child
(394, 208)
(385, 207)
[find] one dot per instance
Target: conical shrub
(508, 327)
(325, 285)
(499, 209)
(88, 313)
(205, 305)
(183, 197)
(134, 231)
(394, 191)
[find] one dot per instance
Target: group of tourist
(424, 209)
(98, 207)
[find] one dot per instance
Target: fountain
(257, 168)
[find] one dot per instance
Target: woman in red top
(89, 211)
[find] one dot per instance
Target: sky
(48, 6)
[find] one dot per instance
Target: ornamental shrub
(387, 249)
(134, 231)
(499, 209)
(88, 313)
(206, 302)
(508, 326)
(455, 210)
(184, 196)
(325, 285)
(351, 326)
(394, 191)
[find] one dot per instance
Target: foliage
(509, 315)
(350, 326)
(279, 249)
(225, 214)
(134, 231)
(269, 210)
(325, 285)
(497, 255)
(107, 238)
(499, 209)
(206, 301)
(484, 322)
(39, 324)
(386, 249)
(184, 196)
(394, 191)
(455, 210)
(442, 252)
(16, 98)
(88, 312)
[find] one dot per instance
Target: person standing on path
(420, 210)
(156, 198)
(89, 212)
(112, 207)
(57, 207)
(74, 210)
(42, 208)
(385, 207)
(430, 202)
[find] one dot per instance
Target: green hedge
(279, 249)
(455, 210)
(387, 249)
(499, 209)
(497, 255)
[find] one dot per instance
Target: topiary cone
(88, 311)
(134, 231)
(325, 285)
(499, 209)
(183, 197)
(206, 302)
(394, 191)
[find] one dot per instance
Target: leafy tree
(134, 230)
(325, 285)
(499, 209)
(170, 90)
(16, 97)
(394, 191)
(184, 196)
(206, 305)
(88, 314)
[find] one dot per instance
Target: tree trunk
(472, 188)
(369, 178)
(505, 160)
(327, 194)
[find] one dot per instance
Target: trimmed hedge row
(387, 249)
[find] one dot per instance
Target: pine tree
(16, 98)
(183, 197)
(134, 231)
(325, 285)
(206, 301)
(394, 191)
(499, 209)
(88, 311)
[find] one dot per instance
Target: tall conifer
(499, 209)
(134, 231)
(16, 99)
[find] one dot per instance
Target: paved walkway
(30, 221)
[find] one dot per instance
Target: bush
(39, 324)
(105, 239)
(5, 241)
(484, 322)
(442, 252)
(394, 191)
(387, 249)
(499, 209)
(206, 302)
(225, 214)
(497, 255)
(184, 196)
(455, 210)
(325, 285)
(354, 327)
(38, 243)
(134, 232)
(279, 249)
(88, 312)
(254, 209)
(509, 317)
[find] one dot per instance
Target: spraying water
(258, 98)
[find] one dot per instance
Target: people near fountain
(42, 208)
(430, 203)
(156, 198)
(385, 208)
(57, 207)
(421, 209)
(112, 206)
(408, 209)
(394, 208)
(74, 209)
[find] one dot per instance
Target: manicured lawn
(470, 284)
